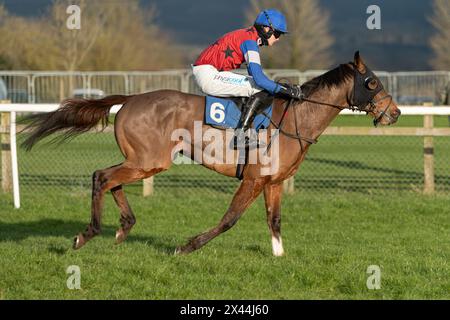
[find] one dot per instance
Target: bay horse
(144, 124)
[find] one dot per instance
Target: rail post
(61, 89)
(147, 189)
(147, 184)
(428, 154)
(142, 85)
(288, 185)
(6, 150)
(184, 78)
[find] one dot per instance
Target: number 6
(217, 112)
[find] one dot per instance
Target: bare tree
(114, 35)
(131, 40)
(440, 42)
(307, 46)
(19, 38)
(70, 47)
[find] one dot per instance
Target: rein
(373, 105)
(279, 126)
(330, 104)
(297, 136)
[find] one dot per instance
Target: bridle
(373, 105)
(364, 102)
(367, 106)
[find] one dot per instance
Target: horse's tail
(75, 116)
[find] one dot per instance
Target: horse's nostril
(396, 113)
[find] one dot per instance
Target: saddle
(224, 113)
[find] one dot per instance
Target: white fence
(9, 129)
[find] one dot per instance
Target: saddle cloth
(224, 113)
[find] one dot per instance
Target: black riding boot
(241, 138)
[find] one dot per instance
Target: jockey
(212, 70)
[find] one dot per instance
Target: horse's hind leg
(94, 227)
(246, 194)
(103, 181)
(127, 218)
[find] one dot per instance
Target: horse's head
(369, 95)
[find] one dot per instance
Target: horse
(143, 130)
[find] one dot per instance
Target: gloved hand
(291, 91)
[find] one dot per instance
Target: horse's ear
(359, 63)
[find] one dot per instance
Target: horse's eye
(371, 83)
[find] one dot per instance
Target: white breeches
(224, 83)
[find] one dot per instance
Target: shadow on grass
(254, 248)
(19, 231)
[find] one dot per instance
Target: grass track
(330, 241)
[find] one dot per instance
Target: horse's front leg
(272, 196)
(248, 191)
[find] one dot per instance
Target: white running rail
(14, 108)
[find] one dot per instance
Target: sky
(401, 44)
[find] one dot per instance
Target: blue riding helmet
(272, 18)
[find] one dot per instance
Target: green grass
(330, 240)
(358, 202)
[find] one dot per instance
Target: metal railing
(51, 87)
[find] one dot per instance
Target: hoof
(178, 251)
(279, 254)
(78, 241)
(183, 250)
(120, 236)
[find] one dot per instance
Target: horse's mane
(334, 77)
